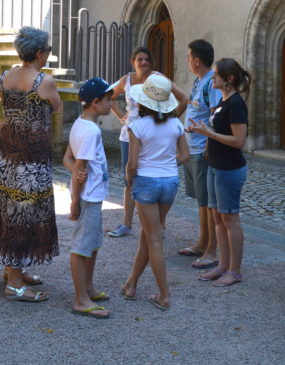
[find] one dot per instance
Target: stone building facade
(251, 31)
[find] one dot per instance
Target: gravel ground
(242, 324)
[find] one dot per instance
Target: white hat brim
(111, 87)
(136, 92)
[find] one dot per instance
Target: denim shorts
(88, 232)
(195, 173)
(224, 188)
(151, 190)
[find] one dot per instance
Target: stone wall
(251, 31)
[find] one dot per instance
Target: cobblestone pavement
(263, 196)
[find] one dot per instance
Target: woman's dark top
(231, 111)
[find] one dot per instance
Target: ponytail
(241, 78)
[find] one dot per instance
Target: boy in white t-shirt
(86, 153)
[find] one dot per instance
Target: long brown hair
(142, 49)
(158, 117)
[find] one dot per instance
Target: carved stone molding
(264, 37)
(143, 15)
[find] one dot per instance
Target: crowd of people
(154, 142)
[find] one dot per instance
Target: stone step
(10, 57)
(9, 31)
(64, 84)
(59, 71)
(68, 94)
(7, 42)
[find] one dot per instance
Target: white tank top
(132, 110)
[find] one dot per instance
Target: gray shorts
(195, 172)
(88, 232)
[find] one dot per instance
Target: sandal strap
(21, 291)
(236, 275)
(96, 308)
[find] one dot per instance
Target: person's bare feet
(214, 274)
(156, 300)
(22, 292)
(95, 295)
(129, 291)
(229, 278)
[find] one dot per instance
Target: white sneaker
(120, 231)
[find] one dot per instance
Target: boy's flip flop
(204, 264)
(100, 297)
(87, 312)
(188, 251)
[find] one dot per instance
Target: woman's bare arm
(181, 97)
(132, 165)
(236, 140)
(47, 90)
(183, 150)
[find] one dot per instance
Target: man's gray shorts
(195, 172)
(88, 232)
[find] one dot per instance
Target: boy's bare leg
(201, 245)
(90, 266)
(212, 243)
(210, 255)
(78, 265)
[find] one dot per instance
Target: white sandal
(20, 294)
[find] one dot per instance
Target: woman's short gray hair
(28, 41)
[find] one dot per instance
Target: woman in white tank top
(142, 63)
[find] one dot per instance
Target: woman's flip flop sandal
(154, 301)
(188, 251)
(87, 312)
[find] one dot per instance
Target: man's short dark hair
(203, 50)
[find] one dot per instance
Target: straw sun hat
(155, 93)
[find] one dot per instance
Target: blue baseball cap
(94, 88)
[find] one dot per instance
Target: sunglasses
(48, 49)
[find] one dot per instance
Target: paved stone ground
(263, 196)
(239, 325)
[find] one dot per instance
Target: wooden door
(282, 129)
(161, 44)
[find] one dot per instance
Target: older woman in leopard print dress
(28, 234)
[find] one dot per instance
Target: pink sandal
(221, 281)
(212, 275)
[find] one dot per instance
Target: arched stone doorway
(282, 129)
(161, 43)
(152, 26)
(263, 57)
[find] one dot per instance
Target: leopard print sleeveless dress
(28, 233)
